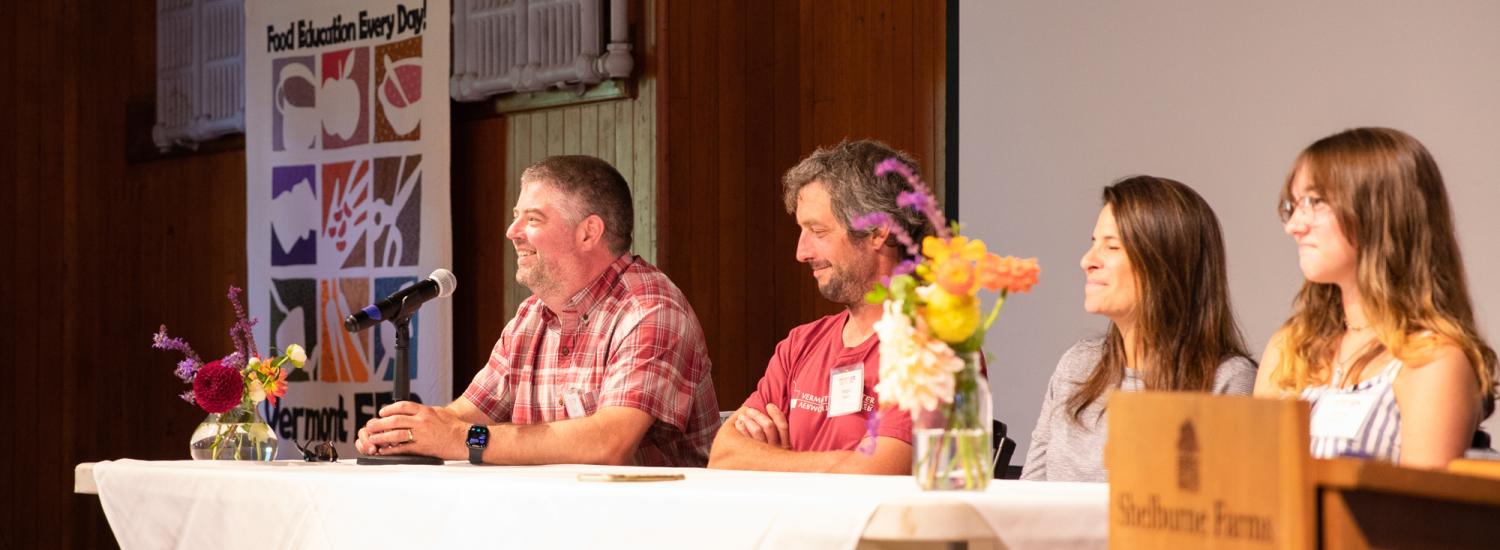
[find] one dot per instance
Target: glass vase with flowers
(231, 388)
(930, 337)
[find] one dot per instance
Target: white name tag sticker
(573, 402)
(846, 390)
(1341, 415)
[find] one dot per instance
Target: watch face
(479, 436)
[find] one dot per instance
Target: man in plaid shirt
(816, 407)
(604, 364)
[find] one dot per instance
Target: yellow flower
(952, 317)
(963, 247)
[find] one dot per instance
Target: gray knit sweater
(1061, 450)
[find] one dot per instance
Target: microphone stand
(402, 390)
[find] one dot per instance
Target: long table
(284, 504)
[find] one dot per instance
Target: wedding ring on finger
(410, 436)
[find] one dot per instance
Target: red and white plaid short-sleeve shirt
(629, 339)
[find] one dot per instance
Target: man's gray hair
(847, 171)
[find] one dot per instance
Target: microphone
(403, 302)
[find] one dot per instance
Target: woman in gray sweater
(1156, 270)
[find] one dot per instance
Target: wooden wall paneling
(10, 193)
(761, 205)
(10, 270)
(701, 284)
(671, 105)
(643, 151)
(588, 129)
(791, 105)
(927, 50)
(623, 142)
(604, 142)
(66, 283)
(54, 162)
(480, 218)
(32, 175)
(556, 141)
(900, 86)
(731, 183)
(638, 123)
(572, 123)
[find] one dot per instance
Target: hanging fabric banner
(347, 161)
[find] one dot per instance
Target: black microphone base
(386, 460)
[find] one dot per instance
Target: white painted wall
(1059, 98)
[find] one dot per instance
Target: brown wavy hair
(847, 171)
(1388, 196)
(1186, 327)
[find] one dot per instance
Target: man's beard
(848, 286)
(537, 278)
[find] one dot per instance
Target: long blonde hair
(1388, 196)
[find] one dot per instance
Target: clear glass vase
(240, 434)
(952, 446)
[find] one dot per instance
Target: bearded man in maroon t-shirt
(816, 409)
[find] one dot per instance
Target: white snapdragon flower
(916, 370)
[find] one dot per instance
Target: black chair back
(1003, 448)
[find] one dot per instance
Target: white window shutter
(503, 46)
(200, 71)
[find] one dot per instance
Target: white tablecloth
(186, 504)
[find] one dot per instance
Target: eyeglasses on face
(1306, 209)
(318, 451)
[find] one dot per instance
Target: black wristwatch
(478, 439)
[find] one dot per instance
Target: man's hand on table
(406, 427)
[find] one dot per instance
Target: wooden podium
(1202, 471)
(1369, 504)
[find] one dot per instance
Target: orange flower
(277, 386)
(1009, 273)
(956, 275)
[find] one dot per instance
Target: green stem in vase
(218, 438)
(970, 468)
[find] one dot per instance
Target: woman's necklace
(1341, 362)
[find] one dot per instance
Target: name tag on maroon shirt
(846, 390)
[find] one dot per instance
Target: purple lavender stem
(872, 429)
(245, 343)
(163, 342)
(906, 267)
(234, 361)
(928, 207)
(187, 369)
(913, 200)
(882, 219)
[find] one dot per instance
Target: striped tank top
(1362, 421)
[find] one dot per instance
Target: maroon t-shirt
(797, 378)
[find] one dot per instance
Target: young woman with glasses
(1381, 339)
